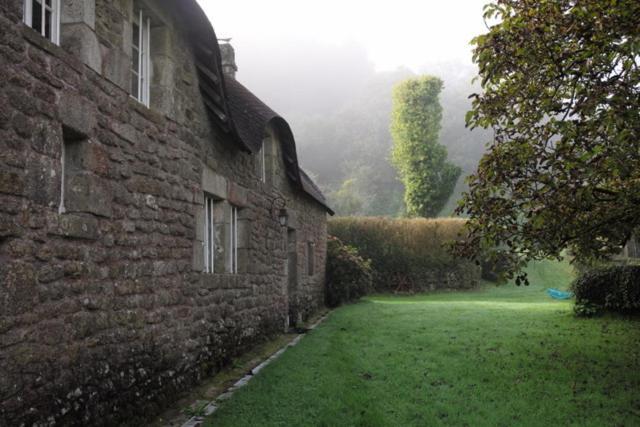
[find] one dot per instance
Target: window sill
(147, 112)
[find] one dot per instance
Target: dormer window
(44, 17)
(140, 58)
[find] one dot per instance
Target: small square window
(44, 17)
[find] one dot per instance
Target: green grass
(499, 356)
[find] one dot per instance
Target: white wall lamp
(278, 206)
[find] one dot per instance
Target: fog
(329, 68)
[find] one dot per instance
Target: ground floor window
(209, 234)
(222, 246)
(44, 17)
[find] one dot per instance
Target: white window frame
(143, 48)
(55, 18)
(233, 239)
(209, 242)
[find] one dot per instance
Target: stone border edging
(211, 407)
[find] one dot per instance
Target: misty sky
(396, 33)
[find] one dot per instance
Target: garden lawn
(498, 356)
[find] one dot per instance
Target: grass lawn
(500, 356)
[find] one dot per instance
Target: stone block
(87, 193)
(79, 11)
(11, 183)
(95, 158)
(292, 221)
(78, 226)
(43, 180)
(244, 234)
(116, 66)
(50, 273)
(214, 183)
(198, 256)
(47, 139)
(199, 223)
(18, 281)
(125, 131)
(244, 261)
(81, 41)
(164, 100)
(77, 114)
(237, 195)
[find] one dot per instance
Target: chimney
(228, 58)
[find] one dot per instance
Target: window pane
(36, 21)
(136, 36)
(49, 2)
(134, 85)
(135, 61)
(47, 23)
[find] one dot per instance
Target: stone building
(154, 221)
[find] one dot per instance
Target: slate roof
(233, 108)
(251, 117)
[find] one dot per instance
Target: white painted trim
(140, 55)
(235, 241)
(209, 242)
(28, 13)
(55, 25)
(146, 31)
(61, 208)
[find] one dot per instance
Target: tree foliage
(421, 161)
(561, 91)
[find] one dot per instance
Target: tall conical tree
(421, 161)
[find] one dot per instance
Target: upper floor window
(44, 17)
(140, 58)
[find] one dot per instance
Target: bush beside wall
(349, 276)
(615, 288)
(408, 255)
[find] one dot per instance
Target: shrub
(493, 270)
(408, 254)
(349, 275)
(614, 288)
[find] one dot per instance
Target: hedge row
(408, 255)
(614, 288)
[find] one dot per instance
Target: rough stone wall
(103, 314)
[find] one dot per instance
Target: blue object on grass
(558, 294)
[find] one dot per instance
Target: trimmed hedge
(615, 288)
(408, 255)
(349, 275)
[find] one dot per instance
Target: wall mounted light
(279, 204)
